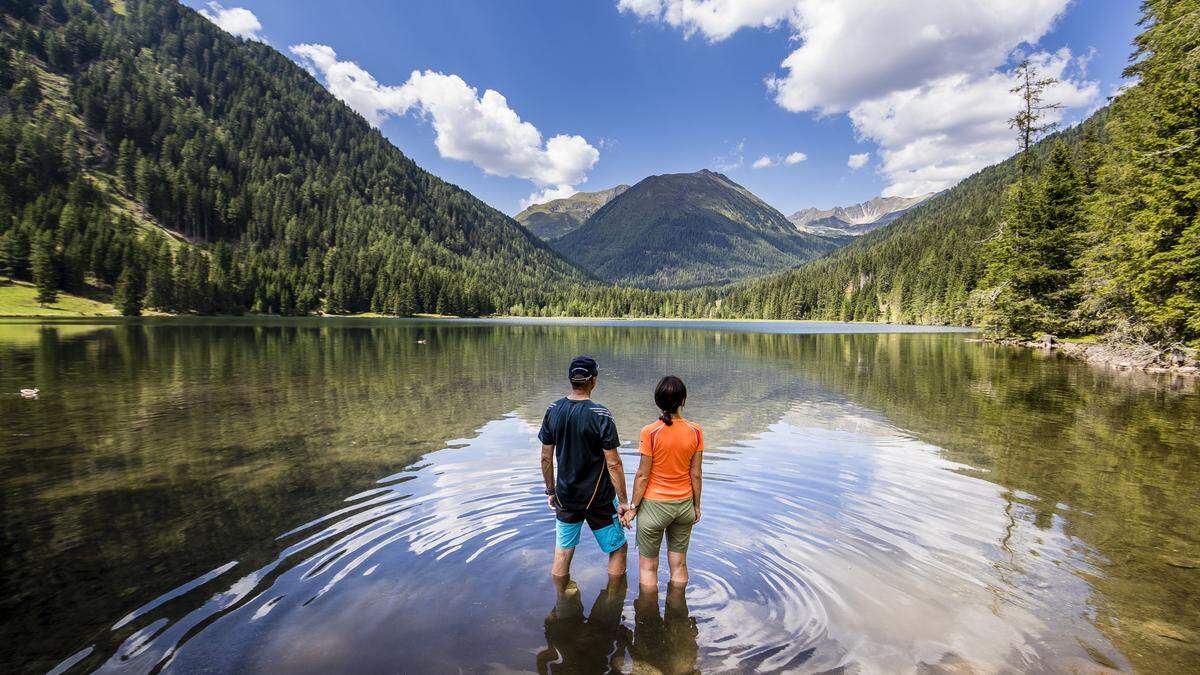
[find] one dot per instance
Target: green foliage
(1030, 279)
(1143, 266)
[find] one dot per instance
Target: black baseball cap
(582, 368)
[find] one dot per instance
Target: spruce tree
(1057, 243)
(1030, 121)
(1016, 278)
(45, 269)
(14, 254)
(160, 282)
(128, 294)
(1143, 267)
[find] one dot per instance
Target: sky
(805, 102)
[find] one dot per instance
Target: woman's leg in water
(648, 571)
(678, 562)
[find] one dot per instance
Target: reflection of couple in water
(579, 436)
(597, 643)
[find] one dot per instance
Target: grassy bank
(19, 298)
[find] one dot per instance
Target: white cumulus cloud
(237, 21)
(933, 135)
(926, 80)
(854, 50)
(858, 161)
(768, 161)
(548, 195)
(716, 19)
(468, 126)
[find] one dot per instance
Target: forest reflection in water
(307, 495)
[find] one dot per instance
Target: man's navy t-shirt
(580, 432)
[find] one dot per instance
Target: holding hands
(627, 514)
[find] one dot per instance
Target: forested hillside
(920, 269)
(1096, 230)
(146, 152)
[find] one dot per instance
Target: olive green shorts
(674, 518)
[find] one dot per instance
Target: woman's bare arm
(697, 481)
(641, 479)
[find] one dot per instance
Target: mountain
(557, 217)
(688, 229)
(857, 219)
(149, 155)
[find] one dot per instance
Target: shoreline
(1114, 355)
(1181, 362)
(755, 325)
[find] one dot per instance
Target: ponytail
(669, 396)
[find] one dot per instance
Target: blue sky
(641, 87)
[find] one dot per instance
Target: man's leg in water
(678, 562)
(566, 538)
(618, 561)
(562, 564)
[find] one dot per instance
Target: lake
(318, 495)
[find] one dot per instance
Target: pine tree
(1143, 267)
(128, 294)
(45, 269)
(14, 254)
(1057, 245)
(1030, 122)
(160, 282)
(1016, 276)
(127, 161)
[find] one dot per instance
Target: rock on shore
(1143, 357)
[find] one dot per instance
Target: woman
(666, 489)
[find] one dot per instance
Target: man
(581, 436)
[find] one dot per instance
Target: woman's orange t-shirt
(671, 447)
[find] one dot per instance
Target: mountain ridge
(856, 219)
(558, 217)
(683, 230)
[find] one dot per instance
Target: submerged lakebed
(319, 495)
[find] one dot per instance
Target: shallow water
(325, 495)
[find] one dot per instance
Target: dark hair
(669, 395)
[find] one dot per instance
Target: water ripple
(831, 540)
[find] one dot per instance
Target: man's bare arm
(548, 470)
(616, 471)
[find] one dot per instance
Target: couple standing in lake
(580, 437)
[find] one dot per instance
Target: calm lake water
(335, 495)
